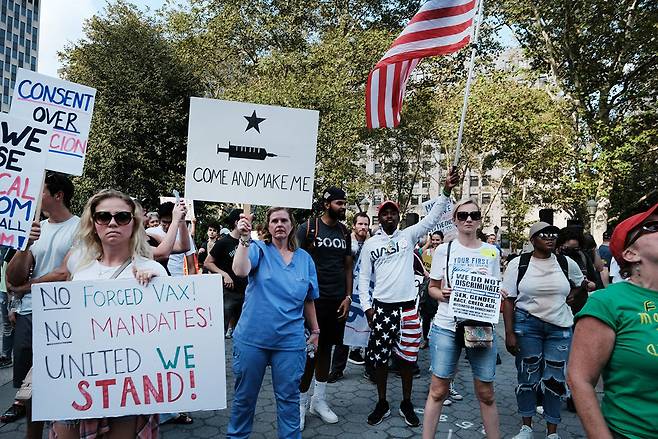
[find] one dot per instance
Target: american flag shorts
(396, 329)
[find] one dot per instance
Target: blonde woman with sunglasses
(111, 244)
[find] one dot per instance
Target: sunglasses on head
(104, 218)
(644, 229)
(475, 215)
(546, 236)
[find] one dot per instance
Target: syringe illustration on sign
(246, 152)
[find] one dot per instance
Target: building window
(426, 198)
(504, 222)
(378, 168)
(375, 220)
(377, 200)
(475, 181)
(486, 198)
(486, 180)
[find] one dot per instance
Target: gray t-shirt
(55, 241)
(332, 244)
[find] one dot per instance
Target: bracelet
(349, 297)
(315, 331)
(447, 194)
(245, 242)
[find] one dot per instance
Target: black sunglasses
(104, 218)
(475, 215)
(646, 228)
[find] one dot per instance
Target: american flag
(440, 27)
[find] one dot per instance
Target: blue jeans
(7, 328)
(249, 363)
(541, 364)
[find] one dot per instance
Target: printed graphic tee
(630, 399)
(482, 260)
(331, 247)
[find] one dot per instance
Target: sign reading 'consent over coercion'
(113, 347)
(66, 107)
(247, 153)
(475, 297)
(23, 149)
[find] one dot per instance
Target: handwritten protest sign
(475, 297)
(23, 149)
(64, 106)
(188, 203)
(246, 153)
(446, 225)
(113, 347)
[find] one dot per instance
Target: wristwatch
(245, 242)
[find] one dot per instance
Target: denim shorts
(445, 356)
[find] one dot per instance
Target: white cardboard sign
(66, 107)
(239, 152)
(475, 297)
(23, 149)
(445, 225)
(113, 347)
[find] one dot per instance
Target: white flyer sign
(188, 203)
(475, 297)
(446, 224)
(239, 152)
(66, 107)
(111, 348)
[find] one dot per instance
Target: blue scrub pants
(249, 363)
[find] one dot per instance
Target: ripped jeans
(541, 364)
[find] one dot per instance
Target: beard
(336, 215)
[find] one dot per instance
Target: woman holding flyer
(466, 254)
(538, 320)
(280, 293)
(111, 244)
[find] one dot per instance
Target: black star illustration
(253, 121)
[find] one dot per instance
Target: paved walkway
(352, 399)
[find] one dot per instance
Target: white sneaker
(540, 410)
(303, 406)
(447, 402)
(524, 433)
(553, 436)
(455, 394)
(319, 407)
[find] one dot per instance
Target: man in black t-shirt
(220, 260)
(328, 242)
(206, 246)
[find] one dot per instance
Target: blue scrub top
(273, 311)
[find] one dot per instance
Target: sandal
(13, 413)
(182, 418)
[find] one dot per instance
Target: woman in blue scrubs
(279, 296)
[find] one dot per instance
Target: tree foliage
(138, 140)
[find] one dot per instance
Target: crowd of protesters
(573, 314)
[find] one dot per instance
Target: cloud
(61, 23)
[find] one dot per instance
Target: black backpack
(312, 228)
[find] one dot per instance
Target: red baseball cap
(623, 229)
(388, 203)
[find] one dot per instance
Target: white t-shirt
(544, 289)
(96, 270)
(482, 260)
(55, 241)
(176, 263)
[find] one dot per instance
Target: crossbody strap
(447, 263)
(121, 268)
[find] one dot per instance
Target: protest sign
(246, 153)
(23, 150)
(475, 297)
(110, 348)
(357, 330)
(64, 106)
(446, 225)
(188, 203)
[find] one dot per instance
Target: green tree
(603, 56)
(138, 140)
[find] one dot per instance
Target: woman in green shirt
(616, 337)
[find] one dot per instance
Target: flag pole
(469, 80)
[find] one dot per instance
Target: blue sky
(61, 23)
